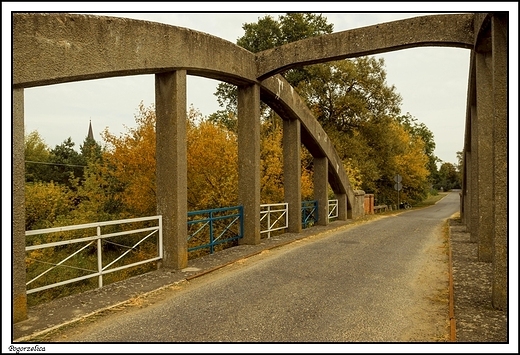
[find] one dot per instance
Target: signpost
(398, 186)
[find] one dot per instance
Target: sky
(432, 80)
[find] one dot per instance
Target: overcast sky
(432, 81)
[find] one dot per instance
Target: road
(381, 281)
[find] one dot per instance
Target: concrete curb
(453, 331)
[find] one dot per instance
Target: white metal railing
(333, 209)
(273, 217)
(101, 269)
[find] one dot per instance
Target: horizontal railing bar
(212, 218)
(222, 209)
(86, 239)
(88, 225)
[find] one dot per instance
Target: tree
(269, 33)
(37, 158)
(350, 98)
(46, 204)
(212, 164)
(449, 177)
(67, 163)
(90, 150)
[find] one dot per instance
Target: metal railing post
(100, 257)
(211, 237)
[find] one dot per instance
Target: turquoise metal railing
(309, 213)
(208, 228)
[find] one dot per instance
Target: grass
(431, 200)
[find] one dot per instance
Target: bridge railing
(273, 217)
(90, 250)
(309, 213)
(209, 228)
(333, 209)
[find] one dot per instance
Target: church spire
(90, 135)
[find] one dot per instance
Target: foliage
(212, 164)
(345, 94)
(122, 182)
(45, 204)
(449, 177)
(37, 158)
(353, 102)
(268, 33)
(67, 163)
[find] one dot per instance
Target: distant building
(90, 134)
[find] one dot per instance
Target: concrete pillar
(342, 206)
(171, 165)
(18, 283)
(249, 161)
(466, 191)
(499, 26)
(485, 118)
(321, 184)
(473, 185)
(292, 173)
(359, 205)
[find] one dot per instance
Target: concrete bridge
(57, 48)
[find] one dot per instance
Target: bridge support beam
(499, 28)
(171, 165)
(466, 193)
(342, 206)
(484, 129)
(249, 160)
(474, 183)
(321, 189)
(18, 283)
(292, 172)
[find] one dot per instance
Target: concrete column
(18, 283)
(320, 189)
(342, 206)
(499, 26)
(171, 165)
(473, 185)
(466, 191)
(249, 161)
(292, 173)
(485, 174)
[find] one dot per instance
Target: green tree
(67, 163)
(360, 112)
(90, 150)
(37, 158)
(449, 177)
(269, 33)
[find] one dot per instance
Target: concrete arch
(433, 30)
(77, 47)
(57, 48)
(281, 97)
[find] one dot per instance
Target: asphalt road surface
(380, 281)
